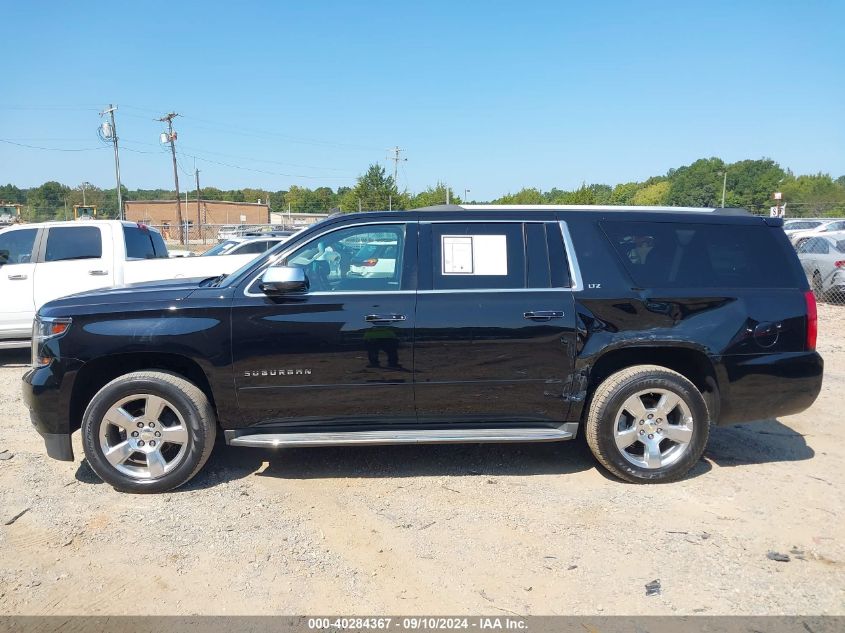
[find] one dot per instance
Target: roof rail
(589, 208)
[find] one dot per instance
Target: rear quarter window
(143, 243)
(682, 255)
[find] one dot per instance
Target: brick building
(163, 212)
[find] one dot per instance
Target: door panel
(488, 345)
(74, 259)
(339, 354)
(17, 307)
(477, 358)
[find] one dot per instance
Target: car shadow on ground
(741, 445)
(15, 357)
(756, 443)
(228, 463)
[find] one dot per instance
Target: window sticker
(474, 255)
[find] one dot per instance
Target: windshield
(222, 248)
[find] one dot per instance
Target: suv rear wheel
(647, 424)
(148, 431)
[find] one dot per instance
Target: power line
(264, 171)
(52, 149)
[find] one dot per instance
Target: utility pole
(200, 223)
(83, 195)
(448, 191)
(109, 133)
(396, 159)
(170, 136)
(724, 186)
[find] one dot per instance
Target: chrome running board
(406, 436)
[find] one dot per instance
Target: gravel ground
(451, 529)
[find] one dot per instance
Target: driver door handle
(17, 277)
(384, 318)
(543, 315)
(98, 273)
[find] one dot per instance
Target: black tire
(606, 402)
(818, 288)
(183, 397)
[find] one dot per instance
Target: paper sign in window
(475, 255)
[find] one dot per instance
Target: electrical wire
(52, 149)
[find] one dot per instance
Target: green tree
(813, 195)
(46, 202)
(697, 185)
(523, 196)
(433, 196)
(582, 195)
(623, 194)
(374, 191)
(652, 195)
(10, 193)
(751, 183)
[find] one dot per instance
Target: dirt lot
(420, 530)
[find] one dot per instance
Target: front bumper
(47, 393)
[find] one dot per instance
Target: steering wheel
(318, 275)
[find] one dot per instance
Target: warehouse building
(164, 212)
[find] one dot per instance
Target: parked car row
(823, 260)
(229, 231)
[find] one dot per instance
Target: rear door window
(73, 242)
(678, 255)
(477, 256)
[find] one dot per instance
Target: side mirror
(4, 257)
(280, 280)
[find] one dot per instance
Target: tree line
(747, 183)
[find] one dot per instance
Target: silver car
(823, 260)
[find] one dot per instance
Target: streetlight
(466, 195)
(723, 173)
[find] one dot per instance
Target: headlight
(44, 329)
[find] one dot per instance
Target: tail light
(812, 320)
(370, 262)
(840, 263)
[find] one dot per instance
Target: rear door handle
(384, 318)
(17, 277)
(98, 273)
(543, 315)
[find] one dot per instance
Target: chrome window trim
(284, 253)
(576, 282)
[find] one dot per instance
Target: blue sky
(489, 96)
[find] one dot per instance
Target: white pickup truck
(42, 262)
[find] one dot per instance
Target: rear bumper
(764, 386)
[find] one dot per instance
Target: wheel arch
(95, 374)
(690, 362)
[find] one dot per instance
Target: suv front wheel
(647, 424)
(148, 431)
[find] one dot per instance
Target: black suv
(644, 326)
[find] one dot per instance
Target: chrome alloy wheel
(143, 436)
(653, 428)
